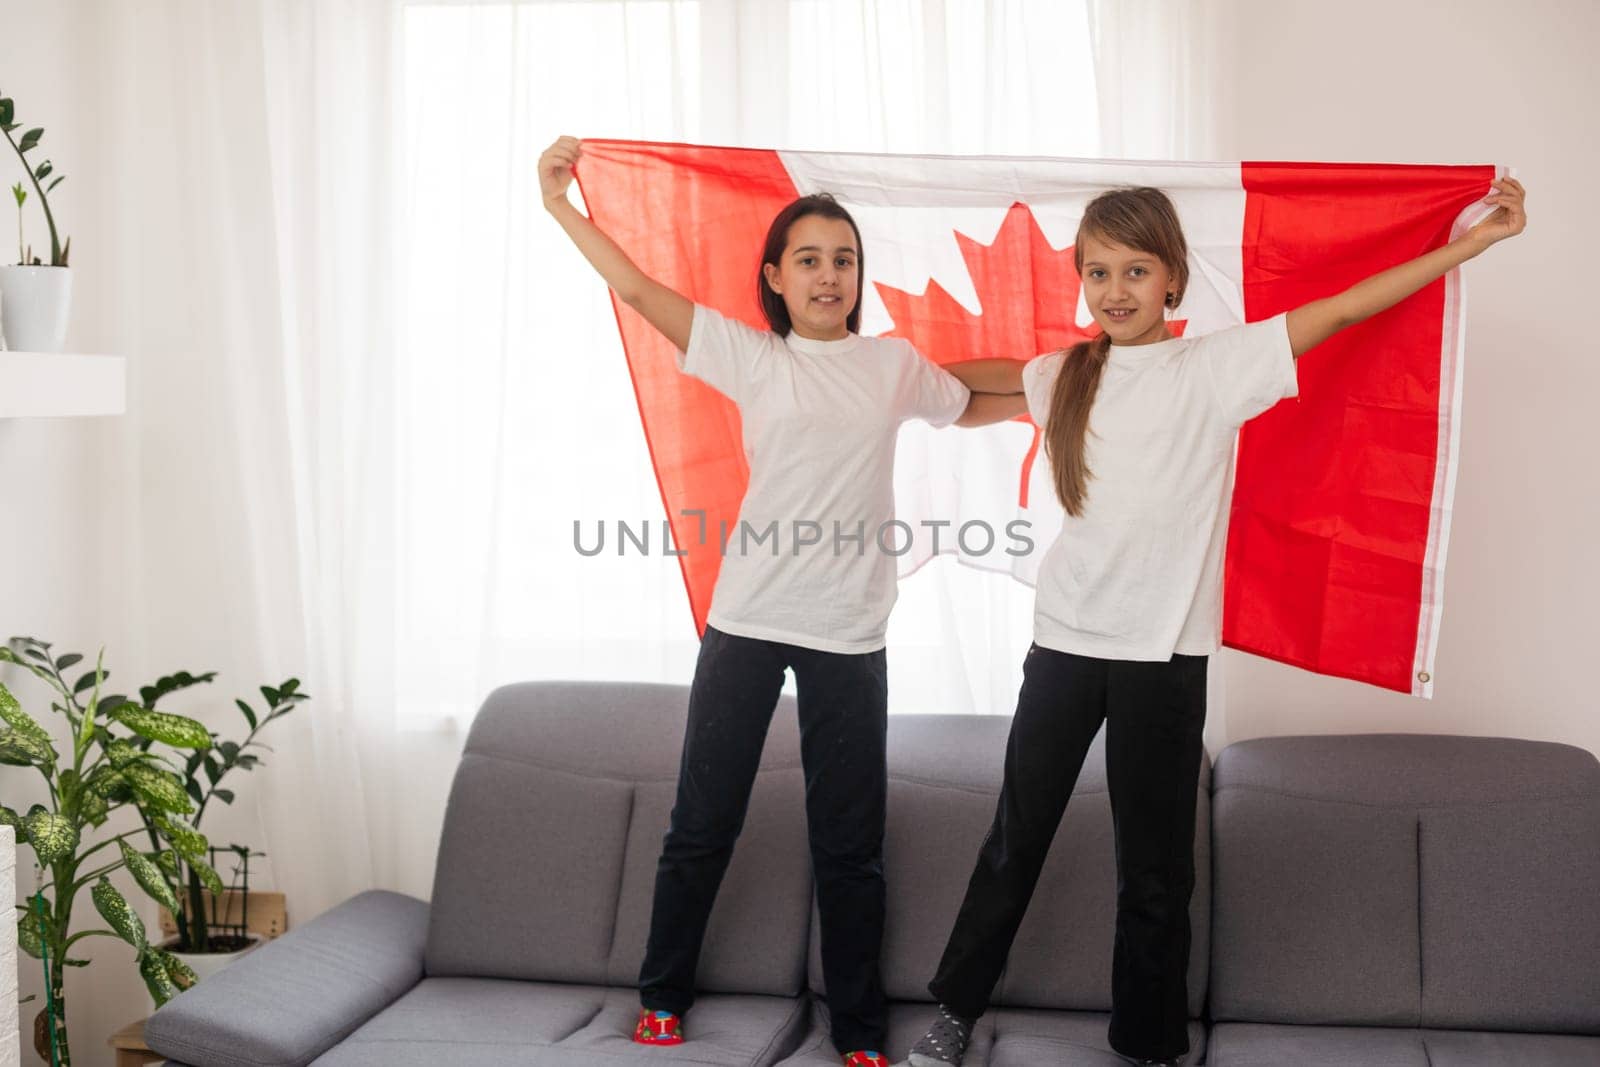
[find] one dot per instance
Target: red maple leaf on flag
(1028, 295)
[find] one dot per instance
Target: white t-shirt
(1138, 576)
(820, 420)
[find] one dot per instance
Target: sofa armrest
(294, 998)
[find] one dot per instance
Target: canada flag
(1341, 502)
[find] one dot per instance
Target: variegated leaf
(52, 836)
(208, 876)
(190, 843)
(158, 789)
(121, 753)
(175, 730)
(94, 809)
(23, 750)
(13, 715)
(149, 877)
(28, 936)
(181, 973)
(156, 978)
(114, 909)
(104, 780)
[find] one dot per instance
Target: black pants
(1153, 714)
(843, 720)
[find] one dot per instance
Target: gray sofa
(1359, 900)
(1401, 901)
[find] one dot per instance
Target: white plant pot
(206, 964)
(34, 302)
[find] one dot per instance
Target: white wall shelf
(50, 384)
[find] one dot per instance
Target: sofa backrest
(552, 831)
(944, 781)
(1407, 880)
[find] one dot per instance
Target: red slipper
(658, 1028)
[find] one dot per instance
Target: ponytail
(1066, 434)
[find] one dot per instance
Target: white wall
(98, 547)
(1473, 81)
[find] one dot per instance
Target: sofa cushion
(1261, 1045)
(1316, 912)
(944, 780)
(1071, 1038)
(554, 824)
(492, 1022)
(1511, 914)
(297, 996)
(1444, 882)
(907, 1022)
(1005, 1037)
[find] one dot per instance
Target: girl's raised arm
(670, 312)
(1313, 323)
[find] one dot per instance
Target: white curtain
(520, 413)
(1153, 89)
(252, 218)
(371, 387)
(399, 387)
(235, 241)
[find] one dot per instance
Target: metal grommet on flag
(1424, 677)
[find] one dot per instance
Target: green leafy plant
(203, 772)
(28, 142)
(112, 765)
(222, 935)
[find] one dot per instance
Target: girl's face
(817, 276)
(1126, 291)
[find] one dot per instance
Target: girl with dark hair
(1139, 427)
(820, 407)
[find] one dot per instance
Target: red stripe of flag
(1333, 500)
(693, 219)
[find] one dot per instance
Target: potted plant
(226, 922)
(110, 765)
(203, 948)
(34, 296)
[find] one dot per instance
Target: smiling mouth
(826, 299)
(1119, 314)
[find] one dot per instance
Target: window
(517, 417)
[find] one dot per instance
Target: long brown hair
(1142, 219)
